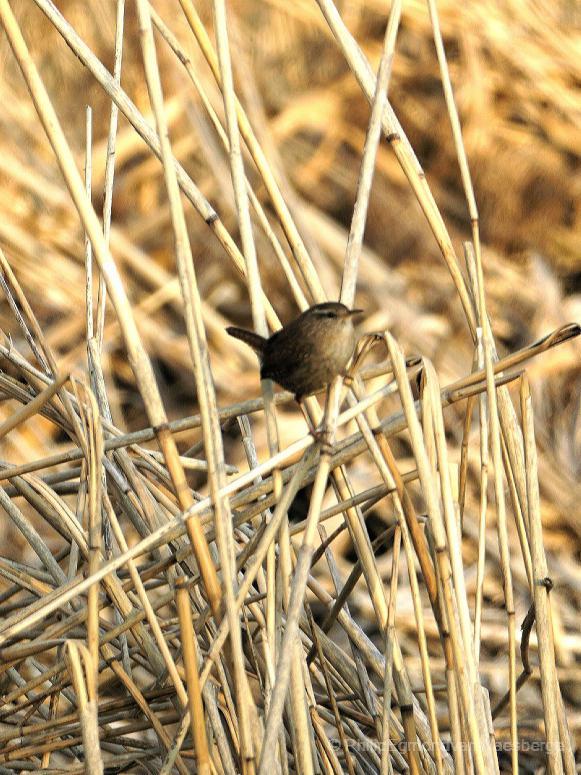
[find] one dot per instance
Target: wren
(308, 353)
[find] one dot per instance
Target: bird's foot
(322, 437)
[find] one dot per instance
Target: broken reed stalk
(276, 650)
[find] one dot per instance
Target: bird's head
(333, 310)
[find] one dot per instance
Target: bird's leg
(321, 433)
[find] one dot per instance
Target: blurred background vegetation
(516, 70)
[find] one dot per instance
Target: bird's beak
(353, 312)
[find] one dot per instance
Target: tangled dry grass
(187, 582)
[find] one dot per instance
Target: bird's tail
(253, 340)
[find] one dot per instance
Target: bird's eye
(330, 314)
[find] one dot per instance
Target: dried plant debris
(190, 580)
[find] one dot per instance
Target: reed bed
(189, 582)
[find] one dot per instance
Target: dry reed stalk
(556, 725)
(390, 425)
(110, 165)
(206, 395)
(297, 656)
(258, 312)
(403, 151)
(494, 420)
(463, 660)
(194, 689)
(137, 355)
(295, 240)
(84, 682)
(142, 127)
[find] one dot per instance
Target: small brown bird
(308, 353)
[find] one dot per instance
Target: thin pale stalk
(462, 660)
(454, 539)
(85, 691)
(33, 406)
(88, 248)
(367, 169)
(464, 455)
(205, 392)
(145, 131)
(184, 59)
(484, 437)
(110, 166)
(149, 611)
(502, 527)
(298, 588)
(284, 216)
(250, 257)
(198, 727)
(453, 114)
(402, 149)
(386, 767)
(423, 646)
(557, 740)
(94, 526)
(237, 168)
